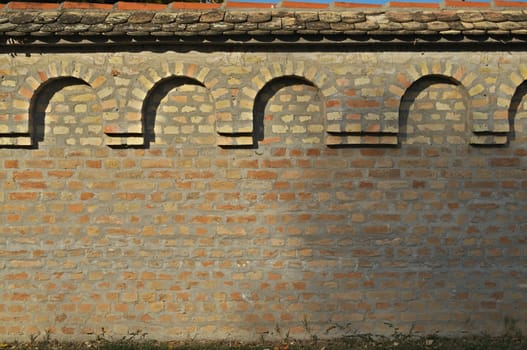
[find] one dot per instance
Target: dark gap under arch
(519, 94)
(153, 100)
(40, 101)
(410, 95)
(264, 95)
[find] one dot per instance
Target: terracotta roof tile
(86, 5)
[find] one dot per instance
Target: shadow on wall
(153, 101)
(516, 107)
(423, 121)
(40, 102)
(40, 106)
(291, 106)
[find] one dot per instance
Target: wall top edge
(28, 22)
(271, 4)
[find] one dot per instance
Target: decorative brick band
(362, 110)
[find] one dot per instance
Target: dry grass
(353, 342)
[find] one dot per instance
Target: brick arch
(39, 78)
(422, 84)
(237, 129)
(483, 126)
(508, 92)
(128, 130)
(266, 94)
(37, 108)
(153, 101)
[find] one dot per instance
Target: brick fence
(229, 190)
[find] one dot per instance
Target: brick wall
(229, 194)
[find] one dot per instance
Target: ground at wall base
(510, 339)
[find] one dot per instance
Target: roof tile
(68, 21)
(193, 6)
(508, 3)
(212, 16)
(131, 6)
(249, 5)
(19, 5)
(407, 4)
(458, 3)
(304, 5)
(86, 5)
(70, 17)
(47, 17)
(356, 5)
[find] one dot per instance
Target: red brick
(93, 164)
(385, 173)
(262, 174)
(244, 163)
(11, 164)
(39, 164)
(156, 163)
(363, 103)
(332, 103)
(377, 229)
(75, 208)
(60, 173)
(27, 175)
(505, 162)
(32, 185)
(363, 163)
(23, 196)
(278, 163)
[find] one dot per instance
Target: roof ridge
(283, 4)
(291, 24)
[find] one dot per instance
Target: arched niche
(65, 111)
(236, 127)
(517, 113)
(46, 80)
(486, 128)
(434, 110)
(288, 110)
(129, 129)
(511, 93)
(178, 109)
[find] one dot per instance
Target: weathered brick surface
(191, 194)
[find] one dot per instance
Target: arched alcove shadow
(411, 95)
(263, 97)
(153, 100)
(40, 101)
(515, 106)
